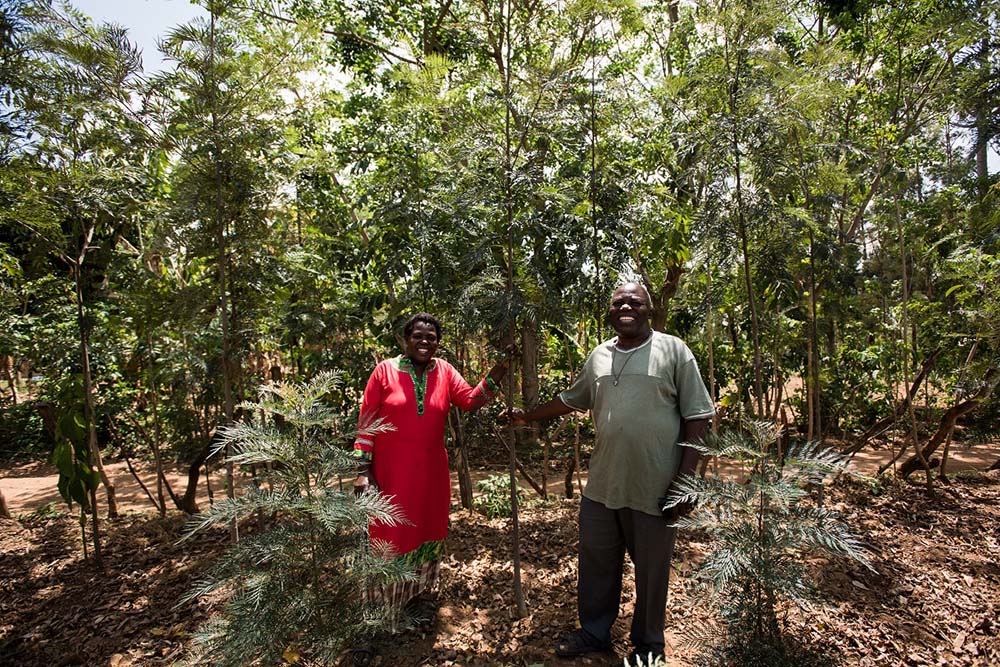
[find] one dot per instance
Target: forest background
(803, 187)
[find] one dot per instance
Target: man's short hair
(638, 283)
(426, 318)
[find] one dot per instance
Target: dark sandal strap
(363, 656)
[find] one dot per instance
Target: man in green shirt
(645, 394)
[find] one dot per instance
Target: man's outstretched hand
(514, 416)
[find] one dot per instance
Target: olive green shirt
(638, 420)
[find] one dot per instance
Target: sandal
(580, 642)
(645, 657)
(363, 656)
(422, 612)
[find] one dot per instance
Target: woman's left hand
(500, 367)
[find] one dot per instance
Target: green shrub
(761, 531)
(494, 498)
(298, 586)
(22, 434)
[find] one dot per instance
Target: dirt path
(31, 487)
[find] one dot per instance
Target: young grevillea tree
(762, 528)
(295, 589)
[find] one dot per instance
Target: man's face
(629, 311)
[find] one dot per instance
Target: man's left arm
(694, 431)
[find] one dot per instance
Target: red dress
(410, 463)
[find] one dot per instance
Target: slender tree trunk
(943, 472)
(546, 451)
(88, 410)
(222, 272)
(710, 337)
(154, 395)
(8, 365)
(142, 485)
(810, 407)
(576, 434)
(461, 460)
(948, 423)
(520, 608)
(568, 479)
(982, 124)
(815, 394)
(906, 307)
(744, 235)
(529, 371)
(189, 501)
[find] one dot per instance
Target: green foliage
(22, 434)
(298, 584)
(494, 498)
(43, 513)
(762, 529)
(242, 213)
(70, 455)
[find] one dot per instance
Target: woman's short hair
(426, 318)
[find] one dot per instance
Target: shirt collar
(407, 365)
(614, 343)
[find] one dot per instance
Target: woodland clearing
(933, 597)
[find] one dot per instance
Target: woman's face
(422, 343)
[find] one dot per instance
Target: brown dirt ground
(933, 597)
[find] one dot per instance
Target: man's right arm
(551, 410)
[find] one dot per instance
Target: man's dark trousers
(605, 536)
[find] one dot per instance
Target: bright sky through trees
(146, 21)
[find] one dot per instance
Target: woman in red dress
(414, 392)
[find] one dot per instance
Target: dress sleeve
(464, 395)
(371, 404)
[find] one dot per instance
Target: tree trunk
(662, 294)
(4, 512)
(189, 502)
(982, 125)
(710, 341)
(906, 357)
(142, 485)
(461, 459)
(10, 376)
(568, 480)
(88, 409)
(734, 87)
(520, 608)
(154, 402)
(520, 466)
(902, 406)
(222, 274)
(47, 411)
(951, 416)
(816, 412)
(810, 407)
(529, 372)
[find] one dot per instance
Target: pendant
(615, 384)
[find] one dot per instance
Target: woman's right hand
(361, 484)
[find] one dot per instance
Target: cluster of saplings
(292, 587)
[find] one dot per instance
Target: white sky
(146, 21)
